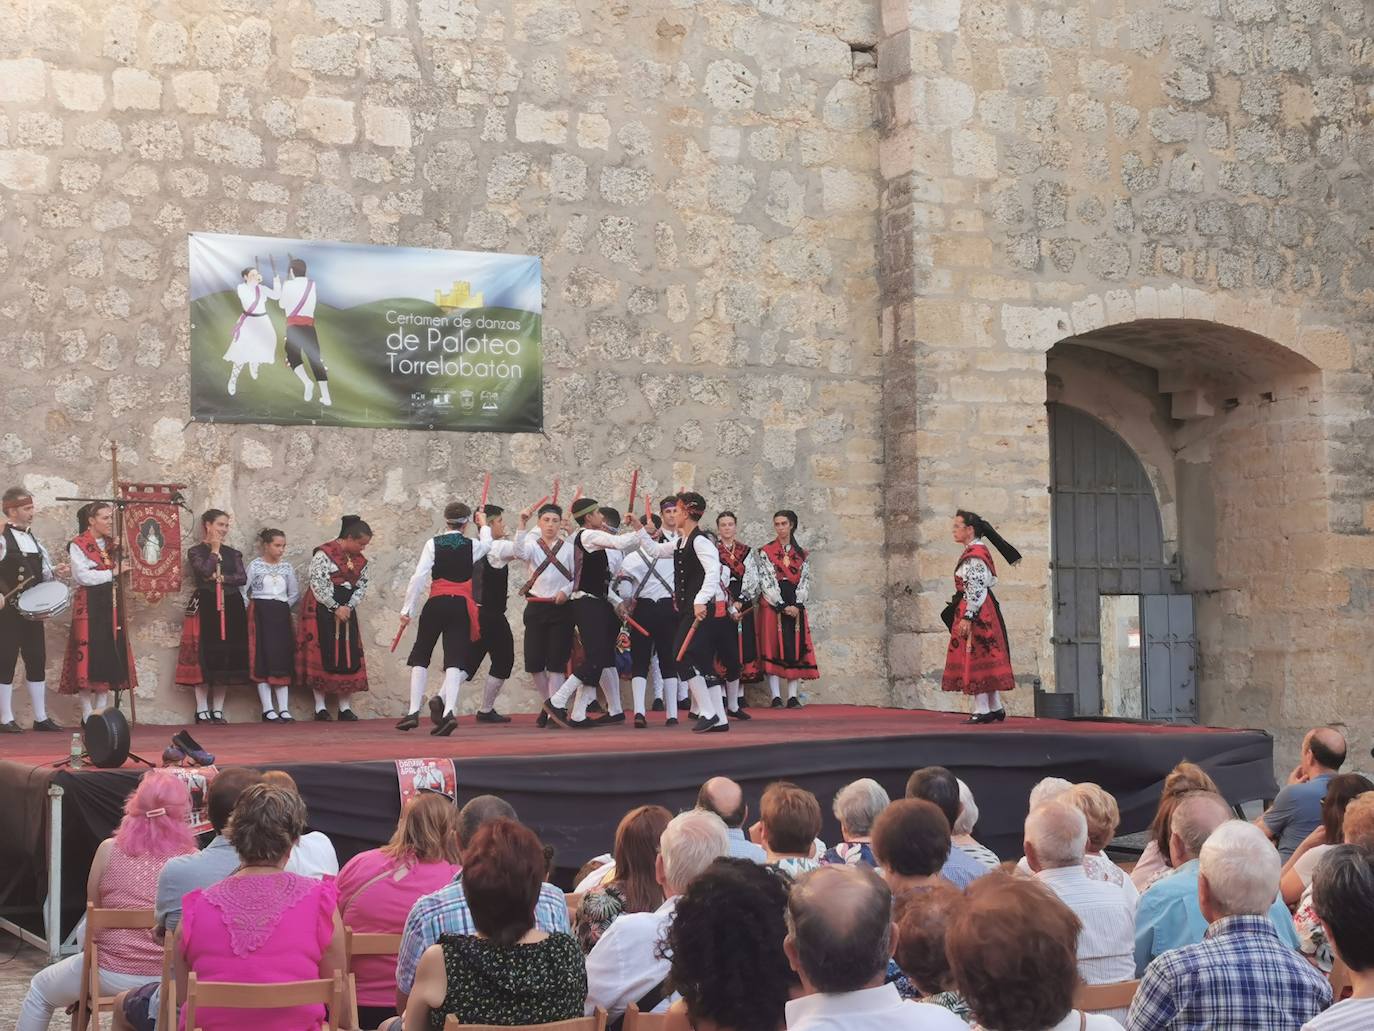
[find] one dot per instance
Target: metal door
(1107, 539)
(1170, 672)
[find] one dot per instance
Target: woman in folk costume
(978, 662)
(782, 581)
(99, 658)
(329, 644)
(734, 556)
(254, 340)
(214, 631)
(273, 591)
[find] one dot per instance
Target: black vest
(593, 569)
(688, 573)
(490, 586)
(16, 566)
(452, 558)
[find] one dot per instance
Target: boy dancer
(490, 586)
(548, 619)
(645, 586)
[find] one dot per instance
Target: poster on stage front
(310, 332)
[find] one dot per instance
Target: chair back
(90, 1003)
(167, 1000)
(596, 1022)
(229, 995)
(365, 944)
(1095, 998)
(670, 1021)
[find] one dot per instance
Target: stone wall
(698, 178)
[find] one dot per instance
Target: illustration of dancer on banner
(254, 342)
(297, 298)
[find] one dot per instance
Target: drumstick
(691, 632)
(19, 587)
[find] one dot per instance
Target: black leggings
(302, 341)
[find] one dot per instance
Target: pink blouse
(130, 882)
(260, 929)
(373, 900)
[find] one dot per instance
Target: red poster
(152, 535)
(416, 775)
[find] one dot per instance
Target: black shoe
(776, 703)
(640, 721)
(740, 714)
(492, 716)
(191, 747)
(704, 723)
(284, 716)
(595, 707)
(447, 727)
(542, 720)
(997, 716)
(980, 717)
(270, 716)
(717, 728)
(11, 728)
(557, 716)
(671, 721)
(658, 705)
(348, 716)
(218, 717)
(794, 703)
(203, 717)
(322, 716)
(693, 715)
(48, 726)
(436, 710)
(411, 721)
(609, 718)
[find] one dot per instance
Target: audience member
(789, 820)
(629, 885)
(725, 798)
(625, 966)
(1341, 790)
(124, 875)
(446, 911)
(1013, 949)
(840, 937)
(377, 889)
(1099, 808)
(1169, 915)
(1357, 829)
(1296, 811)
(1241, 975)
(137, 1010)
(507, 970)
(1047, 790)
(922, 921)
(1056, 837)
(314, 854)
(1343, 896)
(1154, 860)
(936, 784)
(962, 835)
(911, 845)
(724, 945)
(856, 806)
(262, 924)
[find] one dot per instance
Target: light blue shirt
(961, 869)
(182, 874)
(742, 848)
(1169, 916)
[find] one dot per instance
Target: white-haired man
(625, 966)
(857, 805)
(1056, 840)
(1240, 975)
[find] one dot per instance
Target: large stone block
(23, 81)
(328, 119)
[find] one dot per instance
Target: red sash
(90, 547)
(295, 318)
(734, 556)
(459, 589)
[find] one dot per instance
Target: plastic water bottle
(78, 750)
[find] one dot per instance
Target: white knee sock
(102, 700)
(701, 700)
(732, 696)
(38, 699)
(309, 383)
(563, 695)
(453, 681)
(994, 701)
(265, 696)
(639, 687)
(345, 703)
(792, 686)
(319, 700)
(85, 705)
(324, 392)
(980, 704)
(774, 685)
(541, 684)
(717, 693)
(253, 369)
(283, 697)
(489, 693)
(586, 694)
(610, 683)
(217, 698)
(6, 703)
(234, 378)
(682, 692)
(202, 698)
(670, 687)
(418, 676)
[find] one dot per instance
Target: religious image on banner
(152, 536)
(197, 780)
(416, 775)
(311, 332)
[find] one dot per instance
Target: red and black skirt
(213, 651)
(329, 655)
(982, 664)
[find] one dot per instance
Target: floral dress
(540, 983)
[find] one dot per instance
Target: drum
(44, 601)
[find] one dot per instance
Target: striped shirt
(1106, 945)
(1351, 1015)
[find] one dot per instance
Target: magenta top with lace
(130, 882)
(259, 929)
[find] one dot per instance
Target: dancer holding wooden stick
(99, 657)
(782, 574)
(329, 644)
(214, 631)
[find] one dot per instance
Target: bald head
(1324, 749)
(1195, 817)
(839, 928)
(725, 798)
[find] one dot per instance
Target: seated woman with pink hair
(123, 876)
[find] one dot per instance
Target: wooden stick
(634, 489)
(555, 490)
(486, 489)
(686, 641)
(630, 622)
(397, 639)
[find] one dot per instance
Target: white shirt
(1350, 1015)
(253, 297)
(550, 581)
(420, 579)
(1095, 1022)
(624, 965)
(1106, 945)
(28, 545)
(292, 291)
(83, 569)
(869, 1009)
(272, 582)
(707, 553)
(314, 856)
(635, 568)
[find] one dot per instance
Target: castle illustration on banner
(460, 295)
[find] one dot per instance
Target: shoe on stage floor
(11, 728)
(609, 718)
(703, 724)
(997, 716)
(557, 716)
(594, 707)
(191, 747)
(542, 720)
(411, 721)
(322, 716)
(436, 710)
(717, 728)
(980, 717)
(776, 703)
(284, 716)
(740, 714)
(794, 703)
(270, 716)
(640, 721)
(348, 716)
(218, 717)
(48, 726)
(492, 716)
(201, 717)
(658, 705)
(671, 721)
(447, 727)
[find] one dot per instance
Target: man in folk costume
(254, 340)
(782, 573)
(491, 588)
(99, 657)
(594, 614)
(734, 557)
(706, 635)
(667, 511)
(645, 586)
(548, 619)
(446, 563)
(22, 558)
(329, 644)
(978, 662)
(298, 297)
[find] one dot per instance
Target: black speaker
(107, 739)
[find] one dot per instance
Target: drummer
(23, 559)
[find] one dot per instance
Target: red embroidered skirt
(983, 664)
(784, 644)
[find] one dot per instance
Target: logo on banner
(414, 776)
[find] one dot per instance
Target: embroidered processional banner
(152, 537)
(297, 332)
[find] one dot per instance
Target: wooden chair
(596, 1022)
(328, 992)
(1095, 998)
(361, 944)
(670, 1021)
(91, 1003)
(167, 1000)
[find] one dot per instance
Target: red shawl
(783, 562)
